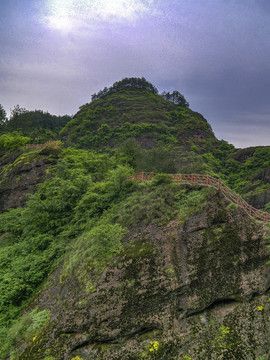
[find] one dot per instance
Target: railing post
(142, 175)
(207, 179)
(177, 178)
(192, 178)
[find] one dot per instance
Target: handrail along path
(207, 180)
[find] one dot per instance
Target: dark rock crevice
(216, 304)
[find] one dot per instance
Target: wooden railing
(41, 146)
(207, 180)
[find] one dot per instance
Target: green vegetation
(127, 83)
(138, 114)
(38, 125)
(12, 141)
(3, 115)
(26, 329)
(191, 201)
(92, 251)
(81, 215)
(176, 98)
(32, 239)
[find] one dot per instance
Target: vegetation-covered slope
(161, 271)
(97, 267)
(38, 125)
(148, 118)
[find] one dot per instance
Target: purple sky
(56, 53)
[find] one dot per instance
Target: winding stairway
(207, 180)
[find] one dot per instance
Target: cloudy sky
(56, 53)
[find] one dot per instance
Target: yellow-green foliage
(151, 350)
(12, 141)
(26, 328)
(153, 346)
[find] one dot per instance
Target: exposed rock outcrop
(260, 197)
(196, 290)
(21, 173)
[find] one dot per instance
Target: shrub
(94, 248)
(191, 201)
(25, 328)
(150, 204)
(12, 141)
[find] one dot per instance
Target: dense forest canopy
(38, 125)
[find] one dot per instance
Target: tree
(176, 97)
(17, 111)
(3, 115)
(132, 83)
(40, 126)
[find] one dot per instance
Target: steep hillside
(183, 285)
(142, 126)
(95, 265)
(154, 134)
(134, 114)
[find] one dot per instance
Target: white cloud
(67, 15)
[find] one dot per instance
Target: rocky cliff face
(261, 197)
(192, 290)
(21, 173)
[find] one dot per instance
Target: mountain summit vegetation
(97, 266)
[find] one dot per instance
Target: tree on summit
(135, 83)
(176, 98)
(132, 83)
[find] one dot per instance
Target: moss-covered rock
(196, 290)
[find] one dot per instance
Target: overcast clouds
(56, 53)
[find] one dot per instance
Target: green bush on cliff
(12, 141)
(93, 248)
(191, 201)
(25, 329)
(149, 204)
